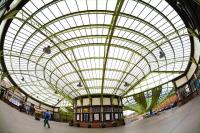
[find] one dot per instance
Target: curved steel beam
(34, 70)
(60, 51)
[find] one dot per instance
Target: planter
(38, 116)
(114, 124)
(103, 125)
(89, 125)
(71, 123)
(77, 124)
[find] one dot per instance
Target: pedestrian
(32, 109)
(47, 117)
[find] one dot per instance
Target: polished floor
(180, 120)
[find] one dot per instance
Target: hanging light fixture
(162, 54)
(126, 84)
(47, 50)
(179, 5)
(79, 84)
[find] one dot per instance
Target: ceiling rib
(109, 38)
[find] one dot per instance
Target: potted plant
(103, 125)
(71, 122)
(89, 125)
(77, 124)
(114, 123)
(38, 114)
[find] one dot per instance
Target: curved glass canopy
(57, 49)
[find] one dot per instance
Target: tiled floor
(181, 120)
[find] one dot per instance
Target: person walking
(47, 117)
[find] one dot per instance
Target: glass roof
(118, 47)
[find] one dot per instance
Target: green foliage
(115, 123)
(141, 100)
(144, 104)
(155, 97)
(66, 113)
(137, 108)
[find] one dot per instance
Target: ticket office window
(78, 117)
(96, 117)
(107, 116)
(86, 117)
(116, 116)
(187, 90)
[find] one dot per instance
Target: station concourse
(100, 66)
